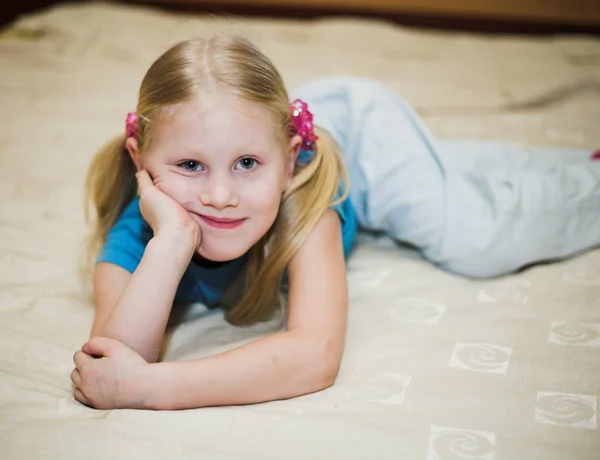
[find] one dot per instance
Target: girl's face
(224, 164)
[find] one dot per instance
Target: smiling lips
(220, 222)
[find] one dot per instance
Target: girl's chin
(207, 255)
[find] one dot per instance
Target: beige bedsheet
(436, 366)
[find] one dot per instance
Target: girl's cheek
(179, 188)
(164, 183)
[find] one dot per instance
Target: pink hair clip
(302, 121)
(131, 125)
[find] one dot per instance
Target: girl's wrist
(187, 236)
(175, 247)
(154, 390)
(146, 389)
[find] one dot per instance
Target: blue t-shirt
(127, 240)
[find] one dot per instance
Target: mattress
(436, 366)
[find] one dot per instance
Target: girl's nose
(219, 194)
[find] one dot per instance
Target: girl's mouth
(221, 222)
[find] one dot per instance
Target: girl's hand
(164, 214)
(109, 375)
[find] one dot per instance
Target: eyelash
(186, 164)
(254, 160)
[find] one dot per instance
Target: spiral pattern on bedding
(483, 357)
(574, 333)
(460, 445)
(416, 310)
(565, 409)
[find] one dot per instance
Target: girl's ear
(132, 147)
(292, 158)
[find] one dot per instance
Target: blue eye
(191, 165)
(247, 164)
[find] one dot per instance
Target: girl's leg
(479, 157)
(509, 207)
(479, 209)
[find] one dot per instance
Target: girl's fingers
(143, 179)
(81, 357)
(76, 378)
(79, 396)
(77, 393)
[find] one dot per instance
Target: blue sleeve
(127, 240)
(347, 214)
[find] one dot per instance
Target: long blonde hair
(236, 67)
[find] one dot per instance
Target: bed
(436, 366)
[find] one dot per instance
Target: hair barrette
(131, 125)
(302, 122)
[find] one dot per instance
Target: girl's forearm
(140, 316)
(279, 366)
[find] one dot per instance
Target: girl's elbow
(326, 369)
(326, 380)
(150, 355)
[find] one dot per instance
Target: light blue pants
(476, 208)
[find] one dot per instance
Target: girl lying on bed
(222, 191)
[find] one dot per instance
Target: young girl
(223, 192)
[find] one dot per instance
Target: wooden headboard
(557, 11)
(523, 16)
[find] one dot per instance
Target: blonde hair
(235, 67)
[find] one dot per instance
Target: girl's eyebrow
(197, 155)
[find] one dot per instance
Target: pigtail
(109, 187)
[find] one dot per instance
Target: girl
(222, 192)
